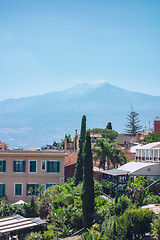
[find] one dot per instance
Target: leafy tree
(106, 133)
(133, 123)
(136, 222)
(135, 189)
(78, 176)
(151, 199)
(122, 204)
(152, 137)
(31, 208)
(4, 208)
(155, 228)
(88, 185)
(109, 125)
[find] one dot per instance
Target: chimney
(65, 142)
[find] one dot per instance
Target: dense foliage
(152, 137)
(106, 133)
(108, 152)
(117, 218)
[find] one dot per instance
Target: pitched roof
(149, 146)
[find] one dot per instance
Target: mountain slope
(38, 120)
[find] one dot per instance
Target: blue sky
(51, 45)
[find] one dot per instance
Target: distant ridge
(39, 120)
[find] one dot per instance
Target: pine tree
(78, 175)
(109, 125)
(133, 123)
(88, 184)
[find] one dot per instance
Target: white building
(148, 153)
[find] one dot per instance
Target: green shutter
(14, 166)
(4, 166)
(32, 166)
(18, 189)
(24, 166)
(28, 186)
(3, 190)
(36, 189)
(48, 166)
(58, 166)
(47, 185)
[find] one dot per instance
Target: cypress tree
(88, 184)
(78, 175)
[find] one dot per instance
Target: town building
(146, 164)
(22, 170)
(148, 152)
(3, 146)
(70, 145)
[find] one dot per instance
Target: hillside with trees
(80, 206)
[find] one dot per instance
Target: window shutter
(36, 189)
(47, 185)
(3, 190)
(28, 186)
(24, 166)
(14, 166)
(4, 165)
(48, 166)
(32, 166)
(58, 166)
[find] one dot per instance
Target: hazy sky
(51, 45)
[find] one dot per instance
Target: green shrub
(34, 236)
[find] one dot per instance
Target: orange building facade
(23, 170)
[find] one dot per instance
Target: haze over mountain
(40, 120)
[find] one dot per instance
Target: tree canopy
(132, 126)
(109, 125)
(152, 137)
(106, 151)
(106, 133)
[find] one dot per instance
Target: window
(43, 165)
(2, 190)
(32, 189)
(2, 165)
(53, 166)
(18, 189)
(49, 184)
(19, 166)
(32, 166)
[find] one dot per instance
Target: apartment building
(21, 170)
(149, 152)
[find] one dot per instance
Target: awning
(19, 202)
(17, 222)
(115, 172)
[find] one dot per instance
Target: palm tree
(118, 156)
(103, 151)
